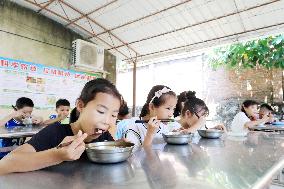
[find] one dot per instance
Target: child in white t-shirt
(247, 117)
(160, 104)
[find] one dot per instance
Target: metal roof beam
(58, 15)
(45, 6)
(97, 9)
(209, 40)
(144, 17)
(197, 24)
(98, 24)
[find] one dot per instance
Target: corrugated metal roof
(146, 29)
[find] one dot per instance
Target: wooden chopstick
(162, 120)
(14, 107)
(68, 143)
(64, 144)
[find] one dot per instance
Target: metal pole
(134, 88)
(282, 86)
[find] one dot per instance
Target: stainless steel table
(19, 132)
(269, 128)
(229, 162)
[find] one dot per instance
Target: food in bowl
(177, 138)
(109, 152)
(210, 133)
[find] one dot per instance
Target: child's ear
(80, 105)
(188, 114)
(151, 106)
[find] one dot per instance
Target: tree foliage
(266, 52)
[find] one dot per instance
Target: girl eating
(98, 105)
(160, 105)
(247, 117)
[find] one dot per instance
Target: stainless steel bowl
(210, 133)
(114, 173)
(211, 143)
(171, 138)
(109, 152)
(183, 150)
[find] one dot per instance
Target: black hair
(123, 110)
(194, 105)
(246, 104)
(182, 97)
(62, 102)
(155, 100)
(100, 85)
(266, 106)
(24, 102)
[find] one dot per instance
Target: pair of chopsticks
(14, 108)
(64, 144)
(68, 143)
(162, 120)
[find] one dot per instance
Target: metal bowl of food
(109, 152)
(211, 143)
(211, 133)
(177, 138)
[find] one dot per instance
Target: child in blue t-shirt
(19, 117)
(123, 119)
(62, 110)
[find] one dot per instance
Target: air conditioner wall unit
(86, 55)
